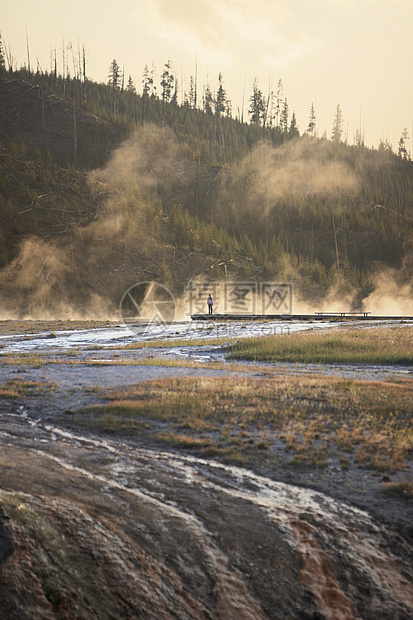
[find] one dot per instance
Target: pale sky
(355, 53)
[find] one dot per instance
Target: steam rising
(85, 274)
(298, 167)
(393, 292)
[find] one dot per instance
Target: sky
(354, 53)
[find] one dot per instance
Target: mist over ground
(148, 194)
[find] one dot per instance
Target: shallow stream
(108, 344)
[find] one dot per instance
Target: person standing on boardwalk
(210, 303)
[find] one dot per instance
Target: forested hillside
(101, 187)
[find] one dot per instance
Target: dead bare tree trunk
(55, 67)
(266, 218)
(335, 241)
(345, 240)
(84, 75)
(312, 247)
(63, 67)
(28, 53)
(74, 135)
(42, 96)
(196, 186)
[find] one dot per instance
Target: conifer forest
(106, 184)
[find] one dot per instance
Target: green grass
(345, 346)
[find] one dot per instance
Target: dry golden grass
(26, 326)
(378, 345)
(402, 489)
(241, 418)
(17, 388)
(68, 358)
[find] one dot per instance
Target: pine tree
(115, 75)
(270, 112)
(167, 82)
(2, 59)
(385, 146)
(146, 82)
(221, 97)
(208, 100)
(131, 86)
(311, 129)
(294, 131)
(284, 117)
(359, 138)
(146, 89)
(257, 105)
(402, 151)
(174, 98)
(115, 78)
(153, 87)
(337, 126)
(192, 96)
(278, 103)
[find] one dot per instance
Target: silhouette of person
(210, 303)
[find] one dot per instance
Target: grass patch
(151, 361)
(172, 341)
(344, 346)
(184, 441)
(165, 343)
(242, 419)
(67, 358)
(115, 418)
(10, 327)
(32, 360)
(399, 489)
(16, 388)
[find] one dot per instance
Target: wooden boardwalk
(317, 316)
